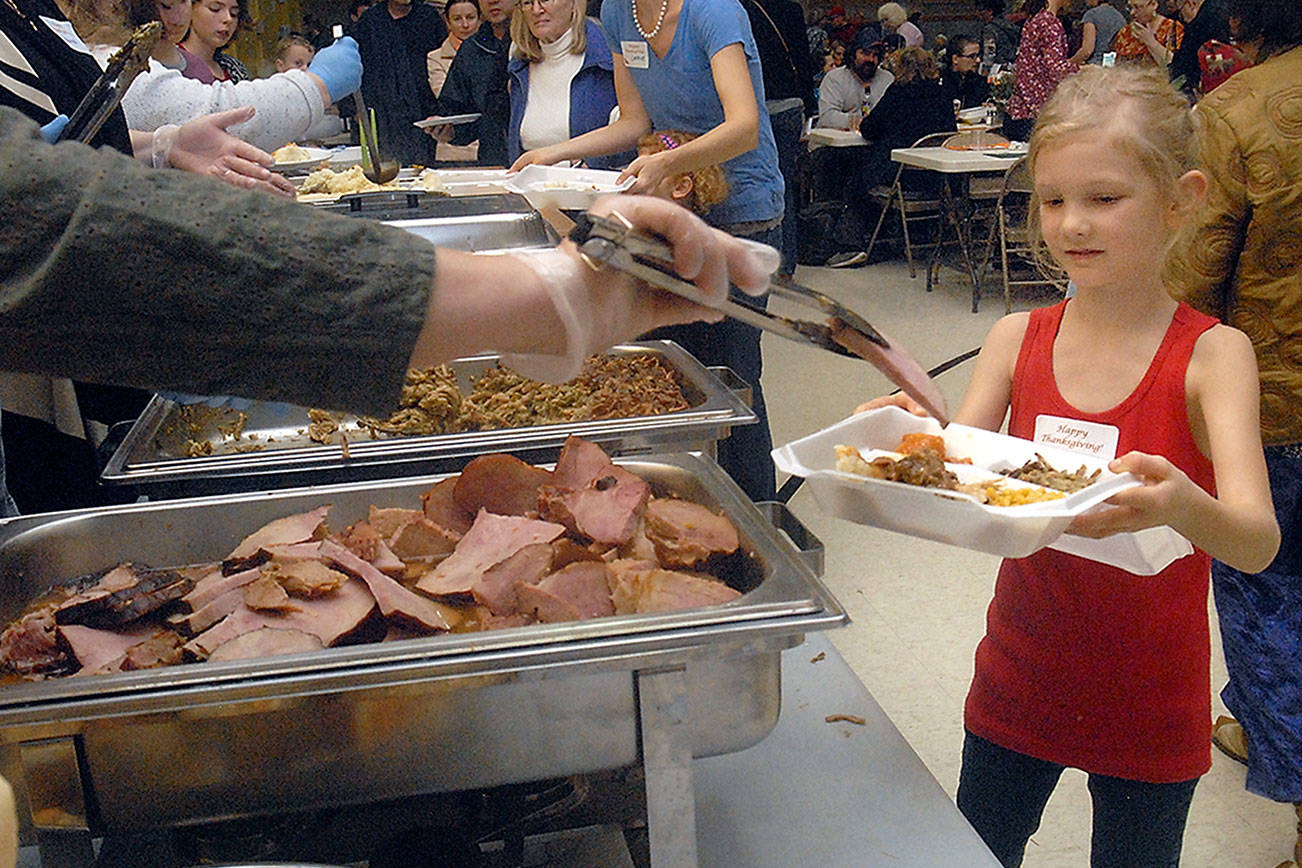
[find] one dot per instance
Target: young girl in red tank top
(1085, 665)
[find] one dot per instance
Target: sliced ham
(606, 511)
(265, 594)
(578, 591)
(685, 534)
(367, 541)
(283, 531)
(396, 602)
(161, 649)
(94, 648)
(496, 588)
(440, 508)
(29, 645)
(214, 585)
(490, 540)
(421, 539)
(113, 605)
(214, 610)
(501, 484)
(266, 642)
(643, 592)
(304, 576)
(566, 551)
(332, 619)
(579, 464)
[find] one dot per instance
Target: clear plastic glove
(50, 132)
(599, 308)
(203, 146)
(339, 65)
(228, 402)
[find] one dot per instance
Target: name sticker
(1084, 438)
(63, 29)
(636, 54)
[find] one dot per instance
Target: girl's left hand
(1153, 504)
(649, 171)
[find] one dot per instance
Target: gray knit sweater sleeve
(112, 272)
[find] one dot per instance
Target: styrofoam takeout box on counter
(957, 519)
(569, 189)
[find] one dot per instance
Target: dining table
(960, 166)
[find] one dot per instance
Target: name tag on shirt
(63, 29)
(1094, 439)
(636, 54)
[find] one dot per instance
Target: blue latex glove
(339, 65)
(50, 132)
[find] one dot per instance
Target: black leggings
(1003, 793)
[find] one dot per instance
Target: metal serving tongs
(613, 241)
(106, 93)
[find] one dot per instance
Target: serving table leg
(667, 761)
(52, 773)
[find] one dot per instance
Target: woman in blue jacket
(561, 59)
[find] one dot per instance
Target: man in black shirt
(394, 38)
(1203, 20)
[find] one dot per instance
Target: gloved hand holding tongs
(613, 242)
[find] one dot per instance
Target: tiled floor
(918, 607)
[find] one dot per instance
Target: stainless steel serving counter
(833, 795)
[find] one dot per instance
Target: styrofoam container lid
(957, 519)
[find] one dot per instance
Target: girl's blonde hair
(892, 15)
(524, 43)
(1136, 109)
(709, 185)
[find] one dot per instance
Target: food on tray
(291, 153)
(351, 180)
(504, 544)
(1041, 472)
(926, 468)
(609, 387)
(916, 440)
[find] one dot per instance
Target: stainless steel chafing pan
(349, 725)
(152, 455)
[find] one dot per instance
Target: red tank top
(1085, 664)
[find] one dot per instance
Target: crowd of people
(702, 103)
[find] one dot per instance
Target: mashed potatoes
(333, 183)
(291, 153)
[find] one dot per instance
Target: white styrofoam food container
(564, 187)
(954, 518)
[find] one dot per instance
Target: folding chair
(1009, 228)
(913, 205)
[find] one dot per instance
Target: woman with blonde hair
(560, 78)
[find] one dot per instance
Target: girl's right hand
(649, 172)
(899, 399)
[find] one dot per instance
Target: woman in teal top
(665, 52)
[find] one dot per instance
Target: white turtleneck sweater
(547, 112)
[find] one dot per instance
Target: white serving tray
(954, 518)
(564, 187)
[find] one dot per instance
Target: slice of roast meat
(643, 592)
(303, 575)
(213, 611)
(215, 584)
(490, 540)
(161, 649)
(333, 618)
(574, 593)
(151, 591)
(685, 534)
(396, 602)
(421, 539)
(566, 551)
(94, 648)
(386, 522)
(606, 511)
(579, 464)
(365, 541)
(265, 594)
(266, 642)
(283, 531)
(29, 647)
(501, 484)
(496, 588)
(441, 509)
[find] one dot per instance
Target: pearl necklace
(660, 20)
